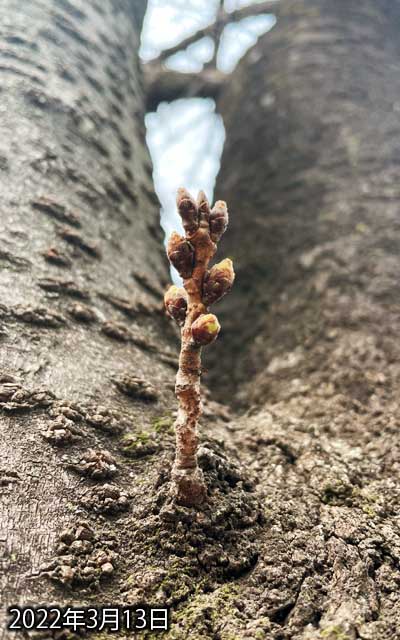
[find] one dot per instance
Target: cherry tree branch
(164, 85)
(223, 19)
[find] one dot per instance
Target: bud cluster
(189, 306)
(198, 218)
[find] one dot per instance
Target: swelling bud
(218, 282)
(181, 255)
(175, 301)
(203, 207)
(219, 219)
(205, 329)
(187, 209)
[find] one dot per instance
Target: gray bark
(311, 171)
(298, 536)
(88, 359)
(82, 267)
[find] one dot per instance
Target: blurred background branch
(196, 64)
(189, 49)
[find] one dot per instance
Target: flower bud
(181, 255)
(205, 329)
(218, 281)
(203, 206)
(187, 209)
(175, 301)
(218, 220)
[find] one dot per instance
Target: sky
(191, 123)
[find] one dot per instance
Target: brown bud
(187, 209)
(181, 255)
(175, 301)
(218, 281)
(218, 220)
(205, 329)
(203, 206)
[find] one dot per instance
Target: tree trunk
(85, 347)
(310, 332)
(302, 544)
(88, 359)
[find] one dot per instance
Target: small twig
(189, 306)
(165, 85)
(218, 27)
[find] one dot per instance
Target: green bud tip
(205, 329)
(218, 282)
(226, 264)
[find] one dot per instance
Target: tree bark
(88, 359)
(297, 538)
(85, 349)
(310, 332)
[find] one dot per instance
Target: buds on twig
(205, 329)
(218, 281)
(180, 254)
(187, 209)
(203, 207)
(189, 307)
(218, 220)
(175, 301)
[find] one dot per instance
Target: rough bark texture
(298, 537)
(84, 344)
(310, 331)
(88, 359)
